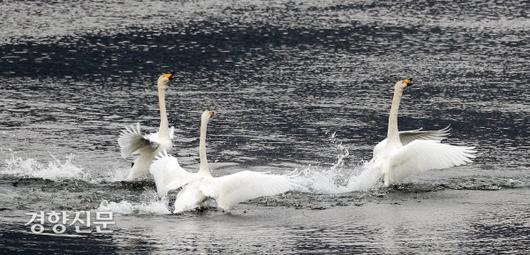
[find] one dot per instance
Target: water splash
(317, 180)
(342, 152)
(341, 177)
(55, 169)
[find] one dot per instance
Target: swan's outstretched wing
(422, 155)
(417, 134)
(231, 189)
(168, 174)
(132, 141)
(410, 135)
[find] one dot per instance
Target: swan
(133, 142)
(227, 190)
(415, 151)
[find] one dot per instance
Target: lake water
(297, 85)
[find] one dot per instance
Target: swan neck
(393, 136)
(163, 132)
(203, 160)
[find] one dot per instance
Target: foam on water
(126, 207)
(151, 205)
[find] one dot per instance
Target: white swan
(227, 190)
(412, 152)
(133, 142)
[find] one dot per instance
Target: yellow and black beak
(407, 82)
(169, 76)
(211, 114)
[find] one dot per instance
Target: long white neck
(393, 135)
(203, 161)
(163, 132)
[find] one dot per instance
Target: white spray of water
(340, 177)
(55, 169)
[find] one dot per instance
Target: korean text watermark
(81, 221)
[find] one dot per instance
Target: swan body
(146, 146)
(230, 190)
(227, 190)
(407, 153)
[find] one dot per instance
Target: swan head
(403, 84)
(207, 115)
(164, 79)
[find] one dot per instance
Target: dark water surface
(297, 85)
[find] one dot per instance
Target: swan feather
(421, 155)
(232, 189)
(133, 142)
(168, 174)
(408, 136)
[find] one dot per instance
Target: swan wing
(422, 155)
(153, 137)
(132, 141)
(417, 134)
(231, 189)
(168, 174)
(189, 198)
(408, 136)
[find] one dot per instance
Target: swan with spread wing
(146, 146)
(407, 153)
(227, 190)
